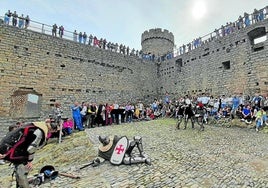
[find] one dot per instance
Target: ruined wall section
(60, 70)
(157, 41)
(223, 66)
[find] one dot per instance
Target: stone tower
(158, 42)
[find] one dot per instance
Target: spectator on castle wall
(104, 42)
(189, 47)
(240, 22)
(14, 19)
(222, 31)
(217, 33)
(54, 30)
(116, 47)
(137, 53)
(261, 14)
(21, 21)
(255, 16)
(7, 17)
(90, 39)
(132, 53)
(95, 41)
(109, 46)
(247, 20)
(80, 37)
(61, 31)
(84, 37)
(183, 48)
(120, 48)
(124, 49)
(100, 43)
(127, 50)
(27, 21)
(75, 36)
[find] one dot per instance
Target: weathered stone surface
(61, 70)
(217, 157)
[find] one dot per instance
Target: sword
(69, 175)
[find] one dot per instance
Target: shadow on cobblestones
(216, 157)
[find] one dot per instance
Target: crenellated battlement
(157, 41)
(157, 33)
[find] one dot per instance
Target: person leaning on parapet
(7, 17)
(21, 21)
(240, 22)
(255, 16)
(19, 146)
(80, 37)
(90, 39)
(247, 20)
(27, 22)
(75, 36)
(61, 31)
(14, 19)
(84, 37)
(54, 30)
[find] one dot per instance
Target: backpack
(14, 145)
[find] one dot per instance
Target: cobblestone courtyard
(218, 157)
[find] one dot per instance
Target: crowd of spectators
(15, 20)
(224, 30)
(91, 40)
(82, 37)
(249, 109)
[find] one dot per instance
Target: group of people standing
(20, 21)
(54, 30)
(224, 30)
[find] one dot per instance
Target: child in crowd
(261, 118)
(67, 126)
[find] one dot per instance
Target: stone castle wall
(157, 41)
(55, 69)
(225, 65)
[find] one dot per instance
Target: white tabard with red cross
(119, 151)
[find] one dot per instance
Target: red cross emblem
(120, 149)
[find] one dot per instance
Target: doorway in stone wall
(25, 103)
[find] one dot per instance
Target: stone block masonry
(37, 69)
(225, 65)
(48, 69)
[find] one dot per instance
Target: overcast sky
(124, 21)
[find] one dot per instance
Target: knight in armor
(19, 146)
(110, 145)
